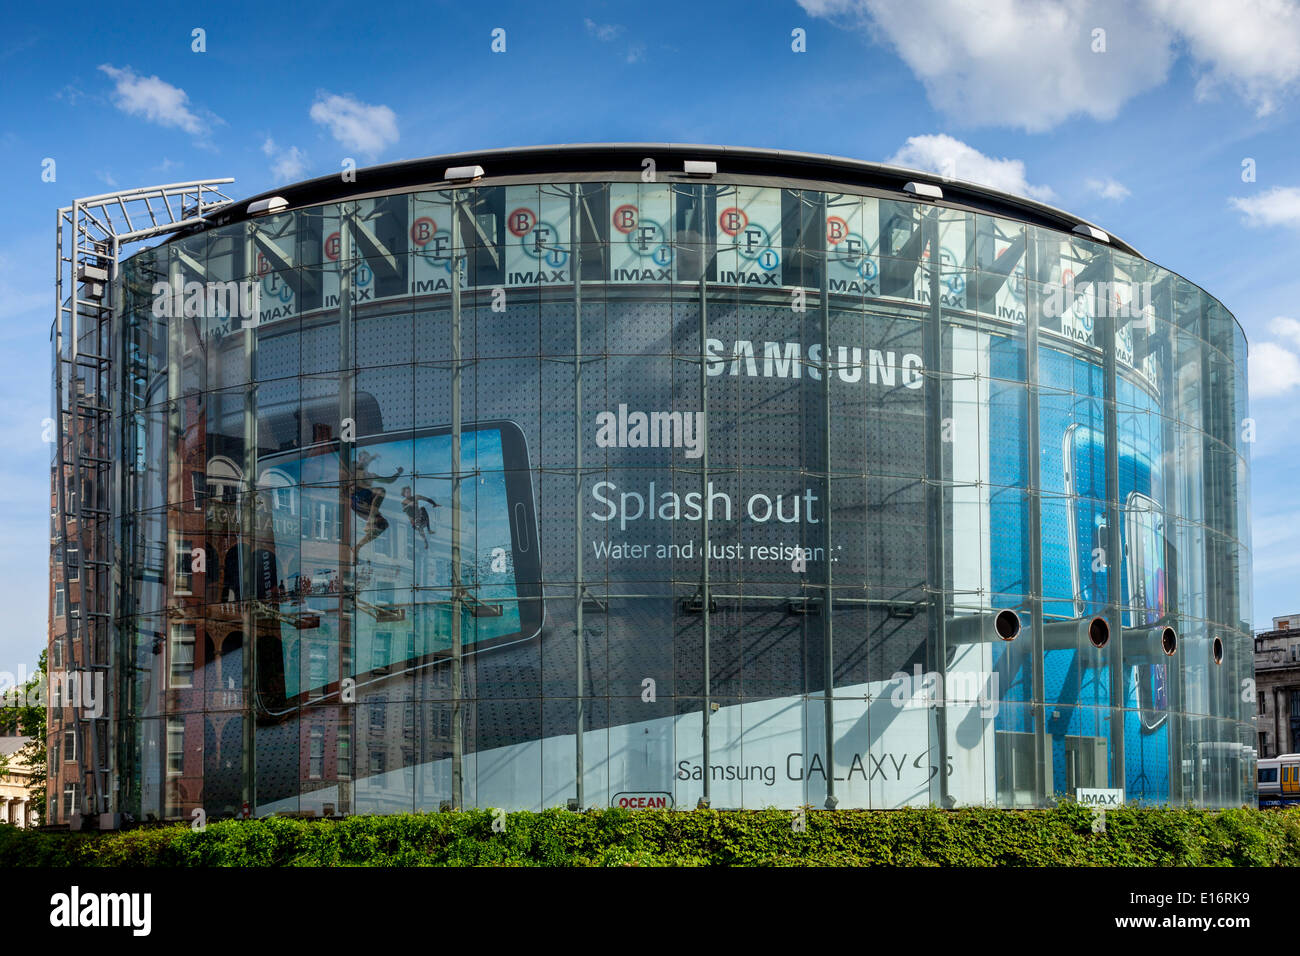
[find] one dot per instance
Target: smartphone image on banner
(1140, 545)
(402, 579)
(1144, 528)
(1091, 552)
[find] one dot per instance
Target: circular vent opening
(1098, 632)
(1007, 625)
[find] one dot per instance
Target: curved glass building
(640, 475)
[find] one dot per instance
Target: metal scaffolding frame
(90, 236)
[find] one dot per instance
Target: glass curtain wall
(640, 494)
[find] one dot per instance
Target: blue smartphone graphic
(1136, 550)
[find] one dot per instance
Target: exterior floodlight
(263, 207)
(924, 190)
(1091, 232)
(463, 174)
(700, 167)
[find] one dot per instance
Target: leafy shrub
(972, 836)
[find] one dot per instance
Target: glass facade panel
(641, 494)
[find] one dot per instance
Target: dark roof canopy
(586, 159)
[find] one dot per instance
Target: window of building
(1263, 704)
(69, 743)
(378, 762)
(378, 716)
(318, 663)
(69, 799)
(381, 651)
(74, 563)
(328, 523)
(345, 755)
(1263, 752)
(316, 754)
(175, 745)
(283, 500)
(182, 655)
(60, 595)
(182, 568)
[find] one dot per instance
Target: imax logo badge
(75, 909)
(1106, 799)
(624, 429)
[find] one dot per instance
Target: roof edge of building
(739, 160)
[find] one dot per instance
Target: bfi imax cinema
(652, 476)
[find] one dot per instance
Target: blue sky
(1146, 137)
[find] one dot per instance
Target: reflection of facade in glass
(430, 527)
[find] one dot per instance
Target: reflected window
(182, 655)
(381, 652)
(316, 758)
(182, 568)
(175, 745)
(345, 756)
(317, 669)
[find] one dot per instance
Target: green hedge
(1062, 836)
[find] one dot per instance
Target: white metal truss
(91, 236)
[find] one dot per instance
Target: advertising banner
(853, 245)
(537, 250)
(431, 250)
(749, 237)
(640, 232)
(954, 236)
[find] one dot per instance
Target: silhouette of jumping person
(367, 499)
(418, 516)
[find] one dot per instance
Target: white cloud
(1274, 370)
(1108, 188)
(1279, 206)
(286, 164)
(154, 99)
(355, 125)
(1250, 46)
(1021, 63)
(1031, 63)
(603, 31)
(70, 94)
(636, 53)
(954, 159)
(1286, 328)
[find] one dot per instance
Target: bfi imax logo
(75, 909)
(222, 300)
